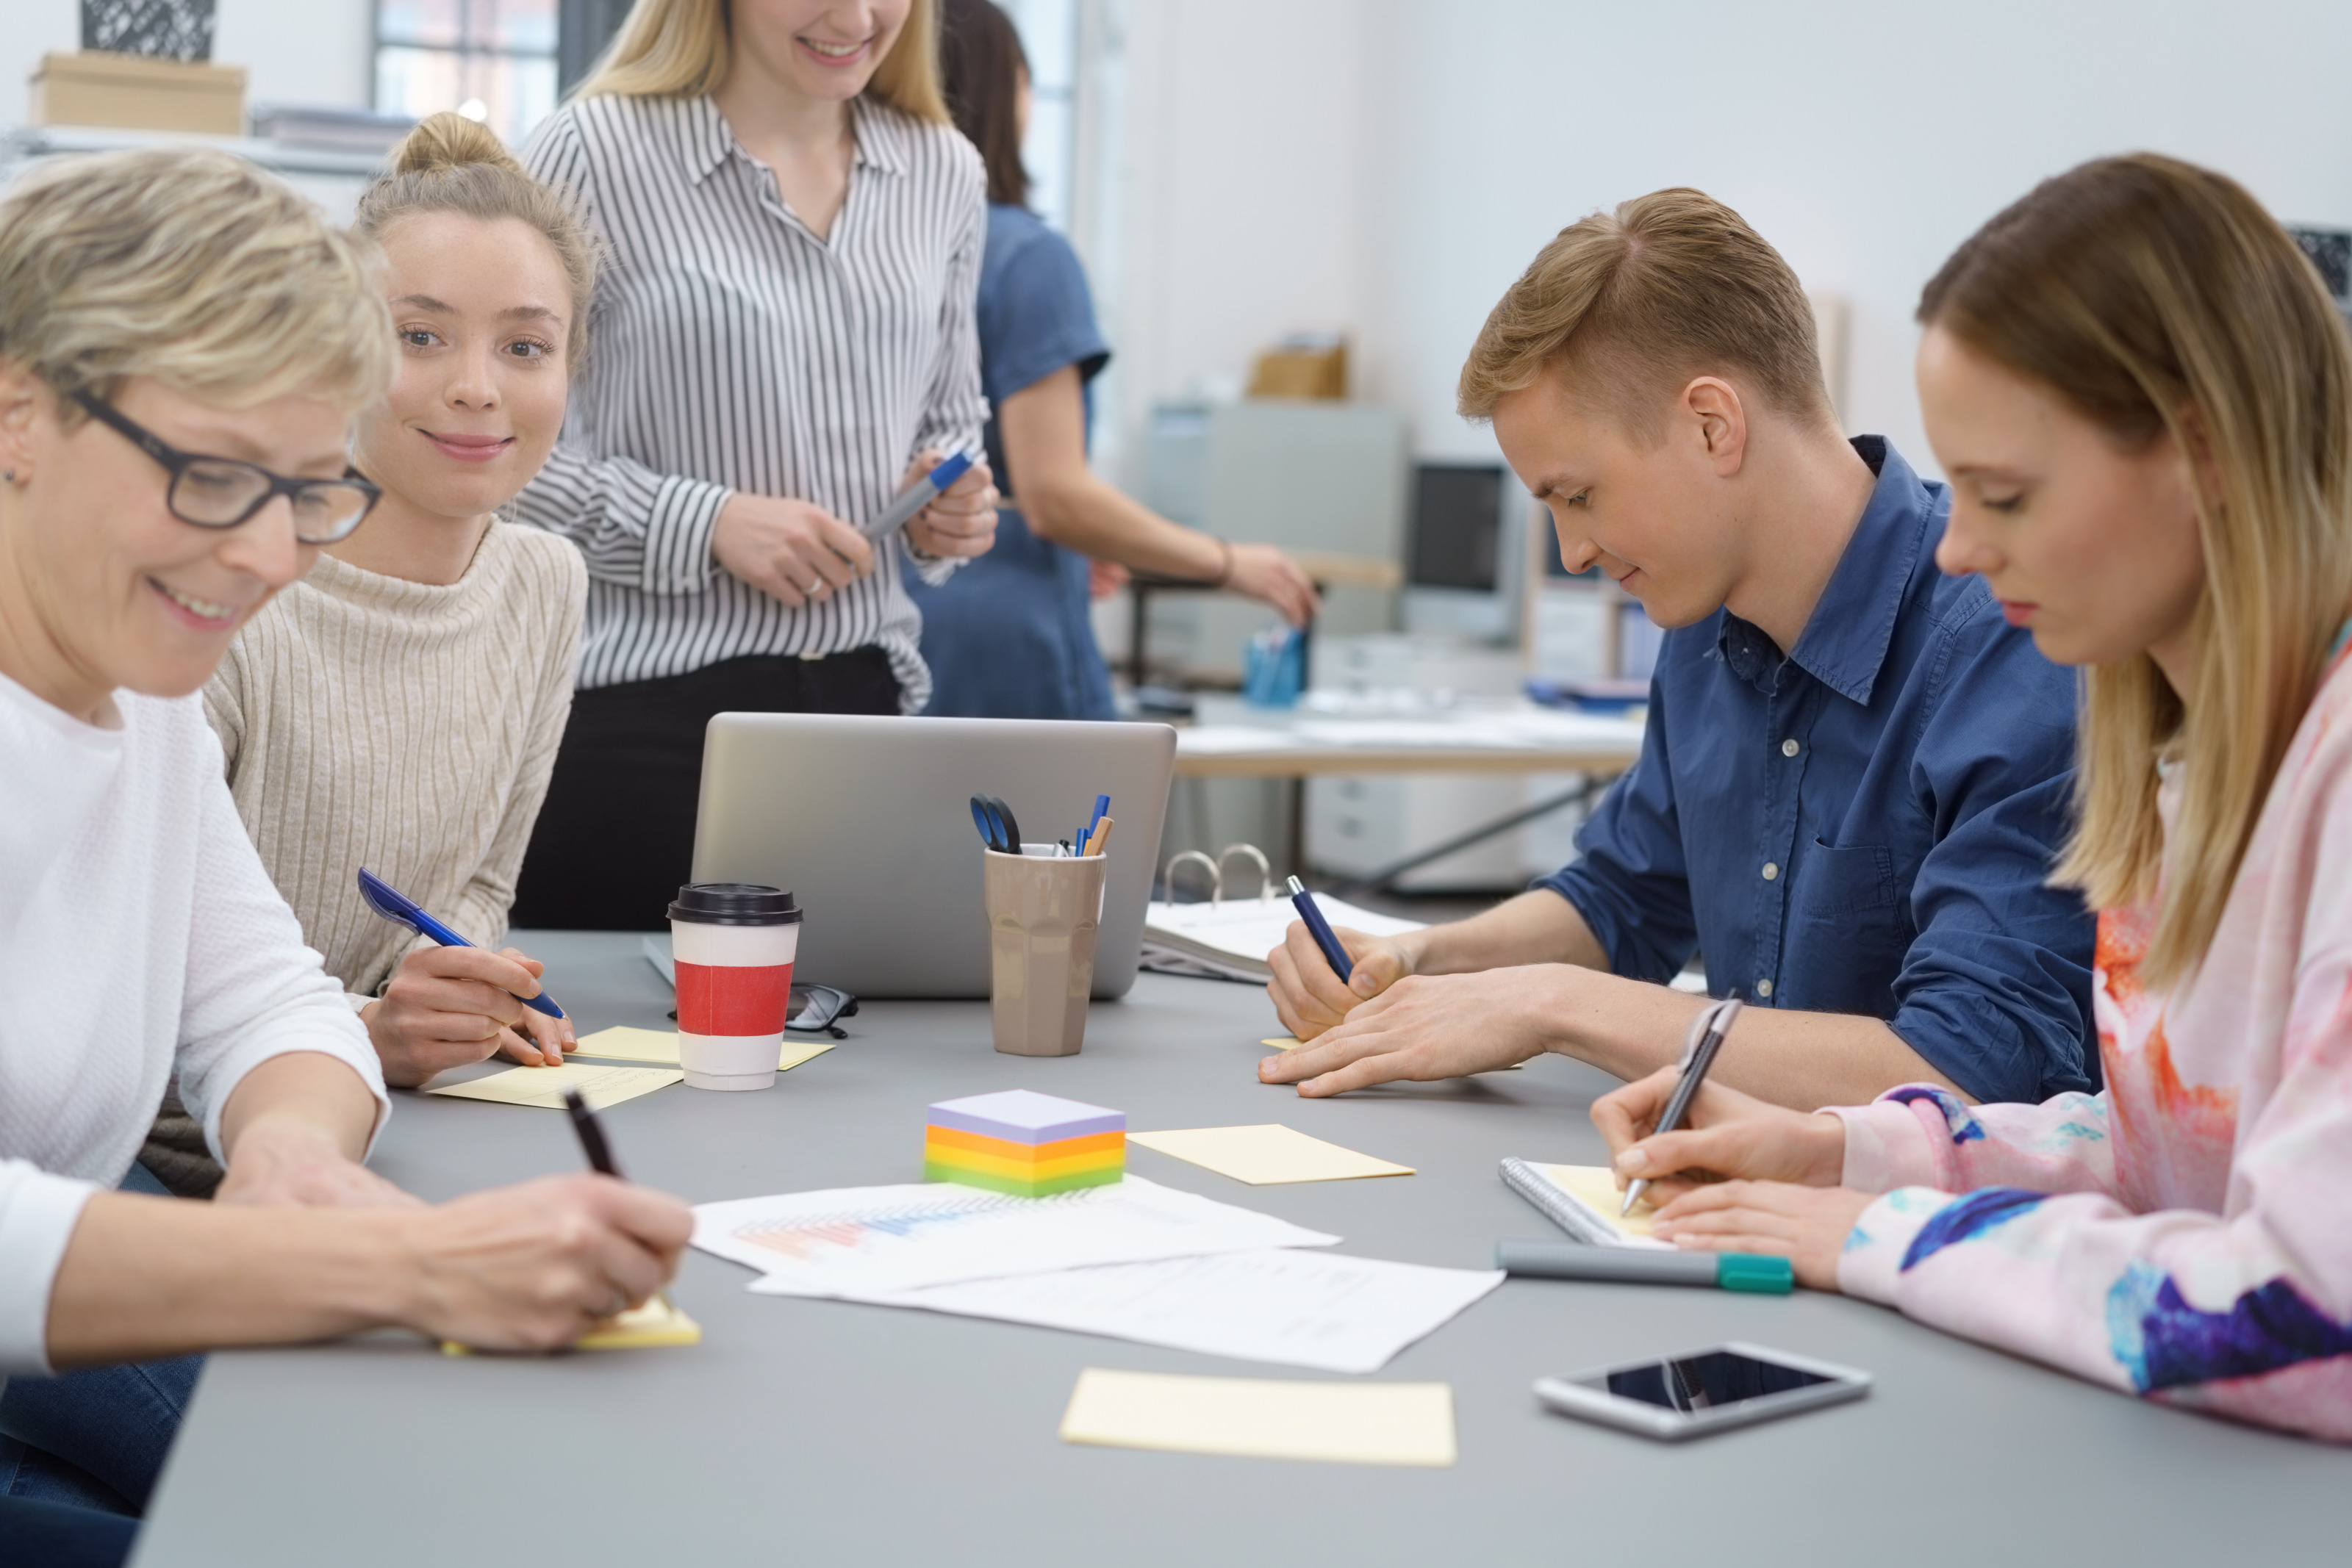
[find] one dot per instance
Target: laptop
(868, 820)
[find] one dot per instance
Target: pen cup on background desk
(1043, 912)
(734, 943)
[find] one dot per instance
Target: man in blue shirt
(1856, 773)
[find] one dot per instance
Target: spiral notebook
(1581, 1201)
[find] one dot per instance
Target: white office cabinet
(1306, 475)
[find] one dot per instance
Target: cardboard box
(127, 93)
(1313, 369)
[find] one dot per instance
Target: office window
(492, 61)
(1049, 36)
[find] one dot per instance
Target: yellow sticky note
(1595, 1186)
(660, 1045)
(656, 1324)
(1265, 1154)
(543, 1086)
(1259, 1418)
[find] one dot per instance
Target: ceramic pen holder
(1043, 912)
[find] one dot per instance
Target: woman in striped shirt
(784, 339)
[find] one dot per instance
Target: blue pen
(397, 909)
(1320, 930)
(921, 493)
(1102, 804)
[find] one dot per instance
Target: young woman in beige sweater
(400, 707)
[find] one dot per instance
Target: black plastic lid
(734, 904)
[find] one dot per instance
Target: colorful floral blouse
(2186, 1234)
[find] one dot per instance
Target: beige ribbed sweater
(409, 728)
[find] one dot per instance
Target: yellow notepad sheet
(1292, 1042)
(1267, 1155)
(653, 1326)
(657, 1322)
(1596, 1187)
(1341, 1422)
(660, 1045)
(543, 1086)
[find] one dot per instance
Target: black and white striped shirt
(732, 349)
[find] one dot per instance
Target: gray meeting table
(823, 1433)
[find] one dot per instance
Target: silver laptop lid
(868, 821)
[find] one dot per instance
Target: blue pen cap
(1754, 1273)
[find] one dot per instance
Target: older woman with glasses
(183, 344)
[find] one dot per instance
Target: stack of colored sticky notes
(1024, 1142)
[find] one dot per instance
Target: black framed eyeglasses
(222, 492)
(817, 1010)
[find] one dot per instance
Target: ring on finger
(813, 589)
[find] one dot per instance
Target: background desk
(821, 1433)
(1297, 745)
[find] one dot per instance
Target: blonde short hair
(2148, 293)
(453, 164)
(194, 267)
(1671, 286)
(678, 48)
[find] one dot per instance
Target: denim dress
(1008, 636)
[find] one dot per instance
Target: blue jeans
(82, 1452)
(50, 1535)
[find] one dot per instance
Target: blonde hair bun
(449, 141)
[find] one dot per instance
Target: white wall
(1394, 163)
(1240, 208)
(295, 51)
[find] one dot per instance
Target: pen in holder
(1044, 910)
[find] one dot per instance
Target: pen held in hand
(921, 493)
(1709, 1029)
(401, 910)
(591, 1135)
(1320, 930)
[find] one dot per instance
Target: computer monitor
(1463, 548)
(868, 821)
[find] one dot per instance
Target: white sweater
(139, 937)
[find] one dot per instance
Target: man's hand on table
(1425, 1027)
(1309, 997)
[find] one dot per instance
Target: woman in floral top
(2143, 397)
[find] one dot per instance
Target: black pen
(591, 1135)
(1698, 1057)
(599, 1152)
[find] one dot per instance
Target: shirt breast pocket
(1849, 928)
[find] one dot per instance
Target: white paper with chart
(865, 1240)
(1300, 1308)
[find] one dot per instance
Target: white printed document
(1236, 935)
(864, 1241)
(1321, 1310)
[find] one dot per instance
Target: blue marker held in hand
(397, 908)
(1320, 930)
(921, 493)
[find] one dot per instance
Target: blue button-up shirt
(1867, 824)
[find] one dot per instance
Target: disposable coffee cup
(1043, 912)
(733, 944)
